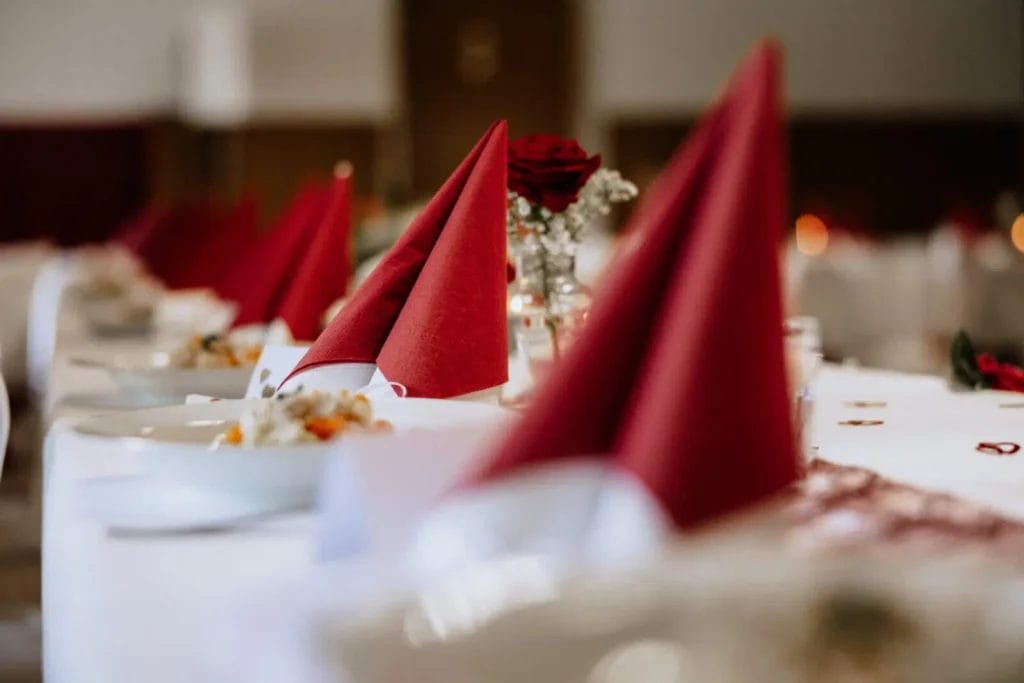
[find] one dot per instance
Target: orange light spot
(1017, 233)
(811, 235)
(234, 435)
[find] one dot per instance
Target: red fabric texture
(258, 280)
(136, 233)
(432, 313)
(158, 241)
(222, 235)
(679, 377)
(188, 245)
(323, 273)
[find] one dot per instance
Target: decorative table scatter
(841, 507)
(866, 404)
(982, 370)
(998, 447)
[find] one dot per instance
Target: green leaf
(964, 362)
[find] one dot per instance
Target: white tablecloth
(928, 435)
(151, 608)
(143, 608)
(135, 608)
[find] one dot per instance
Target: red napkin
(322, 276)
(188, 245)
(432, 314)
(136, 233)
(679, 377)
(206, 248)
(260, 276)
(177, 239)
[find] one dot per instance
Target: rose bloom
(1002, 376)
(549, 170)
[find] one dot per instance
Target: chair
(5, 422)
(19, 263)
(43, 314)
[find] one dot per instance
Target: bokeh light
(811, 235)
(1017, 233)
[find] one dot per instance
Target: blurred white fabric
(948, 262)
(996, 305)
(44, 310)
(895, 304)
(331, 377)
(5, 420)
(19, 264)
(375, 490)
(579, 512)
(728, 609)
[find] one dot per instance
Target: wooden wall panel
(73, 183)
(78, 183)
(468, 63)
(886, 175)
(273, 160)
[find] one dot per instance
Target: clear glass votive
(802, 336)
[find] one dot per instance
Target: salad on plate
(303, 417)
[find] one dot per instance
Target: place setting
(385, 343)
(267, 453)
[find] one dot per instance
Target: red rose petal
(549, 170)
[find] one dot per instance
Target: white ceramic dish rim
(122, 365)
(225, 411)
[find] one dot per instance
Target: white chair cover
(996, 306)
(872, 302)
(947, 261)
(19, 264)
(5, 422)
(44, 310)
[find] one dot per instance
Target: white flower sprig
(559, 230)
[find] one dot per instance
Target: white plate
(143, 504)
(175, 442)
(150, 376)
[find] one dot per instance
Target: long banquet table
(148, 607)
(134, 609)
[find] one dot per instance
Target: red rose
(1002, 376)
(549, 170)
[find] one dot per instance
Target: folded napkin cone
(671, 408)
(431, 316)
(323, 273)
(259, 278)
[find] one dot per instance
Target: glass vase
(548, 305)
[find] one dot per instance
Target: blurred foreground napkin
(671, 408)
(432, 314)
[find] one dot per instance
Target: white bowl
(150, 376)
(176, 443)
